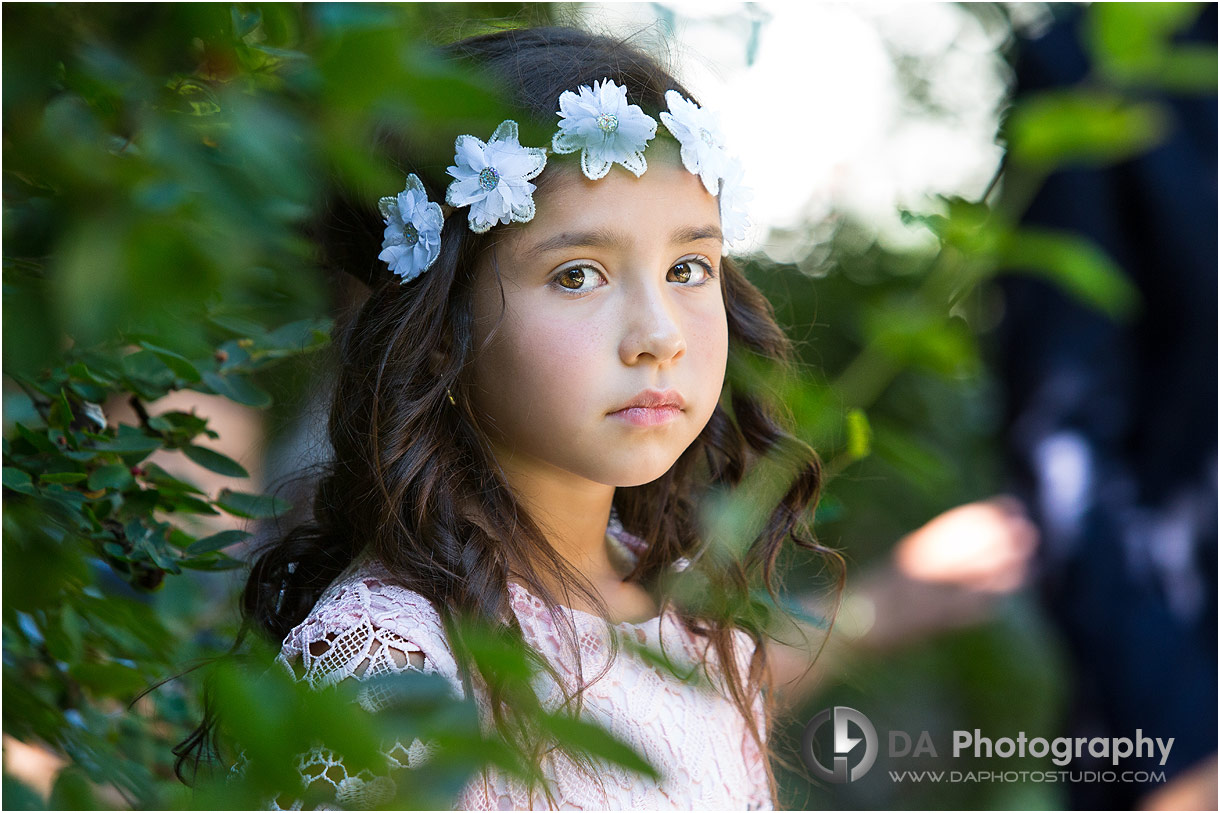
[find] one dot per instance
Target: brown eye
(574, 276)
(682, 272)
(693, 272)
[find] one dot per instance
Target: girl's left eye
(572, 280)
(692, 271)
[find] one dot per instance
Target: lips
(651, 408)
(655, 399)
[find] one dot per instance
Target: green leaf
(597, 741)
(61, 410)
(1054, 128)
(63, 477)
(82, 372)
(116, 476)
(129, 439)
(1075, 263)
(182, 367)
(147, 375)
(110, 679)
(1133, 43)
(182, 425)
(251, 506)
(116, 550)
(18, 480)
(236, 324)
(166, 482)
(38, 440)
(237, 388)
(218, 541)
(299, 336)
(215, 461)
(64, 636)
(152, 540)
(178, 501)
(19, 796)
(859, 434)
(72, 791)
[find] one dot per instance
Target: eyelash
(709, 274)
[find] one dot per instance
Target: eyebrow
(607, 238)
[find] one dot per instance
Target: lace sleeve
(361, 630)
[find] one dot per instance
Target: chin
(637, 473)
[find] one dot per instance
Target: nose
(651, 329)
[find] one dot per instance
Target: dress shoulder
(365, 625)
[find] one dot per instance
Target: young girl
(530, 406)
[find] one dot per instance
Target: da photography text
(855, 745)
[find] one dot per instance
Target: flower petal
(598, 121)
(469, 153)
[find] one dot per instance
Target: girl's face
(611, 293)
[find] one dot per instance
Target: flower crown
(493, 178)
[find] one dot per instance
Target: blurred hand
(949, 573)
(984, 546)
(1192, 789)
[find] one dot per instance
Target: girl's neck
(572, 512)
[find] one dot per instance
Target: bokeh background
(989, 228)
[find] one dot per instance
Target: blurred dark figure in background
(1113, 437)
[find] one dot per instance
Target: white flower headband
(493, 178)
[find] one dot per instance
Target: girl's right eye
(575, 278)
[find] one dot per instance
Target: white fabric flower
(493, 179)
(412, 239)
(605, 129)
(698, 131)
(734, 197)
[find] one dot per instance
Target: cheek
(553, 358)
(538, 366)
(708, 341)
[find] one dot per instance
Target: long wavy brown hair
(413, 482)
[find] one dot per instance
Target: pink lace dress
(365, 625)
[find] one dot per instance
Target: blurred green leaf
(215, 461)
(18, 481)
(1134, 43)
(129, 439)
(181, 366)
(597, 741)
(859, 434)
(116, 476)
(251, 506)
(19, 796)
(218, 541)
(1073, 127)
(1075, 263)
(63, 477)
(237, 388)
(109, 679)
(165, 482)
(72, 791)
